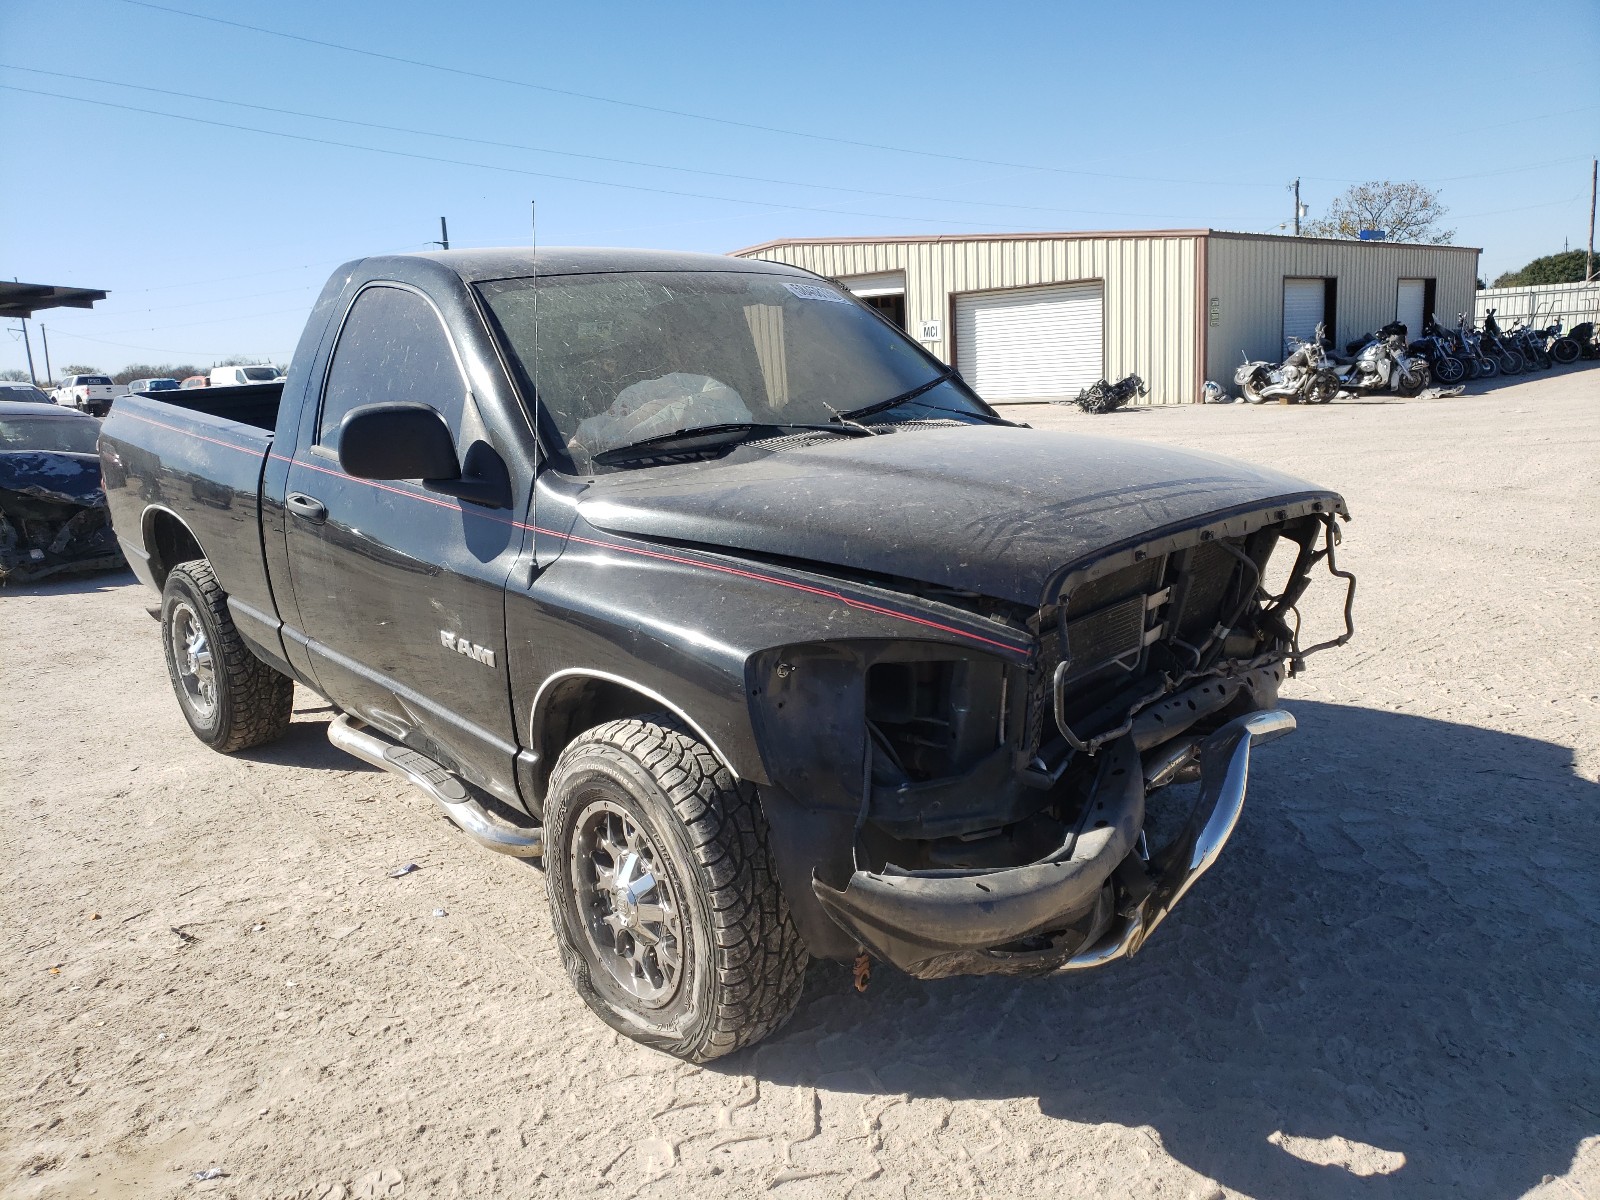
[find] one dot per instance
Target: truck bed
(254, 404)
(193, 460)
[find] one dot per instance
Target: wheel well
(169, 542)
(578, 703)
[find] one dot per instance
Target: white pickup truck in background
(92, 394)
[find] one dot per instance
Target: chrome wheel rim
(191, 651)
(631, 916)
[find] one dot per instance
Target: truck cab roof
(515, 262)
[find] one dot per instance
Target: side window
(392, 348)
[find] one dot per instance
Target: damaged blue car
(53, 517)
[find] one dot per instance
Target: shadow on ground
(306, 744)
(1399, 948)
(68, 585)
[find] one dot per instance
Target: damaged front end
(53, 516)
(1021, 819)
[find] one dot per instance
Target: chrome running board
(448, 791)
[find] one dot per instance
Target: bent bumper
(1093, 901)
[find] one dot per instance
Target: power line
(671, 112)
(1554, 162)
(83, 337)
(456, 162)
(627, 162)
(128, 312)
(277, 312)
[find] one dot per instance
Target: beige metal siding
(1150, 289)
(1245, 289)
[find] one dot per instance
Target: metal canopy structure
(25, 299)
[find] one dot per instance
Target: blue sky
(214, 240)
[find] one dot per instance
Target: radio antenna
(533, 276)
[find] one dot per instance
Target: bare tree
(1406, 212)
(80, 369)
(12, 375)
(154, 371)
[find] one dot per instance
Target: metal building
(1037, 316)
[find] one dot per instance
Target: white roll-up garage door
(1408, 306)
(1302, 309)
(1031, 344)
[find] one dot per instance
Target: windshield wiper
(906, 397)
(882, 405)
(661, 441)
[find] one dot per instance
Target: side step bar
(448, 792)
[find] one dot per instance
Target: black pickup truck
(697, 578)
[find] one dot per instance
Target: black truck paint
(888, 642)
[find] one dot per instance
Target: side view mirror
(412, 441)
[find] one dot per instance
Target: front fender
(701, 632)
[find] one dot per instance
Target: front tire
(1564, 350)
(664, 894)
(231, 699)
(1449, 370)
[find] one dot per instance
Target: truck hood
(988, 509)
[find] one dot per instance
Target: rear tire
(231, 699)
(664, 894)
(1488, 367)
(1564, 350)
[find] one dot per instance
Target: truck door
(401, 591)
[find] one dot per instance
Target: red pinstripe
(754, 576)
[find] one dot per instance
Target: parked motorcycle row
(1386, 361)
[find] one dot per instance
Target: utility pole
(32, 378)
(444, 236)
(1297, 208)
(1588, 262)
(44, 336)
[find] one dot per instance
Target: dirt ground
(1389, 987)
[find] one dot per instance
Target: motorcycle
(1583, 336)
(1446, 359)
(1564, 348)
(1384, 364)
(1493, 344)
(1531, 345)
(1103, 397)
(1304, 377)
(1484, 366)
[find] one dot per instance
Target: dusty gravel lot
(1389, 987)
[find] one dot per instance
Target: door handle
(309, 507)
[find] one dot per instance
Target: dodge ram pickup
(699, 580)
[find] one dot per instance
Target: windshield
(77, 435)
(160, 385)
(625, 357)
(259, 374)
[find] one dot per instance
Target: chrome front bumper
(1065, 912)
(1224, 774)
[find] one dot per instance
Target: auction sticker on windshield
(812, 291)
